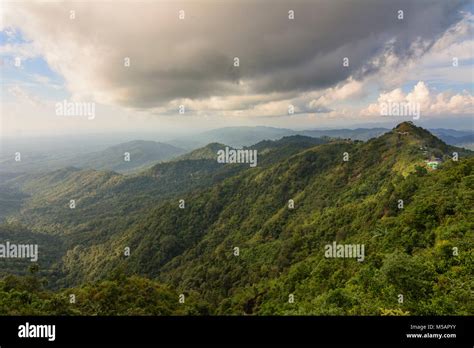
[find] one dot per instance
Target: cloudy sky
(313, 64)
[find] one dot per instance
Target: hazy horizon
(466, 125)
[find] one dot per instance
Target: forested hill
(253, 241)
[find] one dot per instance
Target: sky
(179, 67)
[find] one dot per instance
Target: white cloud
(21, 50)
(344, 91)
(433, 104)
(23, 96)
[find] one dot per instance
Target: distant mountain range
(141, 154)
(246, 136)
(144, 154)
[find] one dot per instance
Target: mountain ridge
(343, 190)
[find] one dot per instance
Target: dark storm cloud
(193, 58)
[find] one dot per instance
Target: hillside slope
(409, 249)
